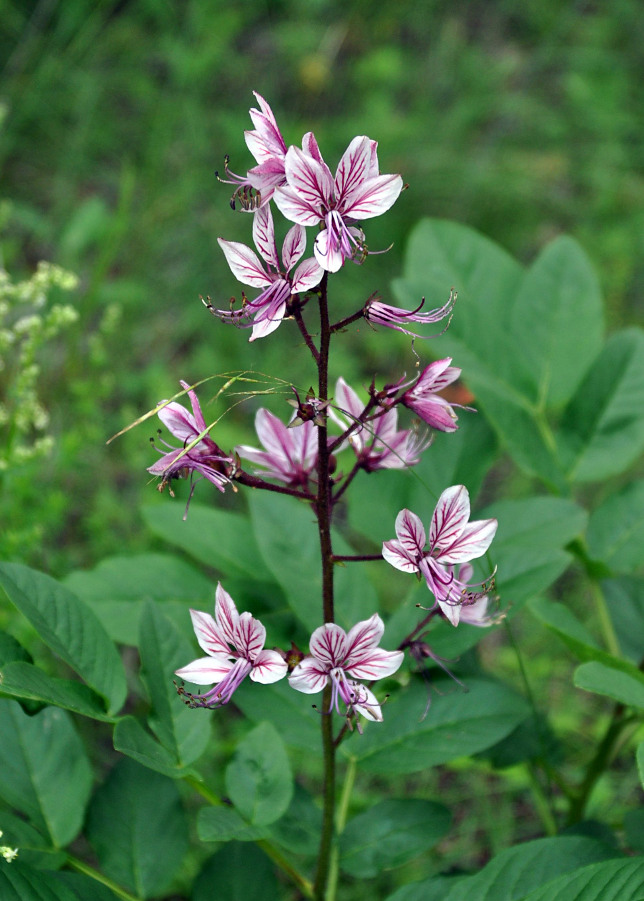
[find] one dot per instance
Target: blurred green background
(521, 120)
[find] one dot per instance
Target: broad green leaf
(20, 882)
(389, 834)
(611, 880)
(626, 688)
(616, 529)
(221, 824)
(625, 602)
(458, 724)
(634, 829)
(222, 539)
(299, 829)
(44, 771)
(434, 889)
(131, 738)
(259, 779)
(85, 888)
(34, 848)
(138, 829)
(640, 761)
(117, 587)
(11, 650)
(602, 430)
(220, 876)
(515, 872)
(291, 712)
(69, 628)
(163, 650)
(23, 680)
(287, 535)
(557, 320)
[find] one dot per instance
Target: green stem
(81, 867)
(305, 886)
(605, 620)
(340, 823)
(328, 813)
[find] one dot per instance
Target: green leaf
(557, 320)
(131, 738)
(69, 628)
(259, 779)
(291, 712)
(616, 529)
(221, 824)
(34, 848)
(116, 590)
(23, 680)
(640, 761)
(434, 889)
(11, 650)
(19, 882)
(138, 828)
(299, 829)
(611, 880)
(458, 724)
(603, 428)
(389, 834)
(515, 872)
(44, 771)
(221, 539)
(163, 650)
(287, 535)
(625, 602)
(626, 688)
(219, 877)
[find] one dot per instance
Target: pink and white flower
(290, 454)
(267, 310)
(341, 658)
(378, 444)
(452, 541)
(312, 196)
(424, 400)
(397, 318)
(234, 643)
(197, 453)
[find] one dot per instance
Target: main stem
(323, 509)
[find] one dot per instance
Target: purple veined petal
(270, 320)
(373, 162)
(206, 670)
(434, 410)
(451, 609)
(295, 207)
(372, 198)
(375, 664)
(310, 146)
(364, 635)
(329, 645)
(264, 237)
(250, 636)
(307, 275)
(273, 434)
(226, 614)
(309, 676)
(210, 636)
(244, 264)
(384, 428)
(200, 422)
(450, 517)
(293, 247)
(328, 252)
(473, 542)
(347, 400)
(269, 666)
(309, 178)
(395, 554)
(353, 168)
(368, 704)
(179, 422)
(166, 463)
(410, 532)
(435, 377)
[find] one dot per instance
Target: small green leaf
(69, 628)
(299, 829)
(221, 824)
(602, 430)
(616, 529)
(20, 882)
(625, 602)
(44, 771)
(138, 828)
(640, 761)
(131, 738)
(163, 650)
(219, 877)
(258, 779)
(611, 880)
(626, 688)
(458, 724)
(23, 680)
(389, 834)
